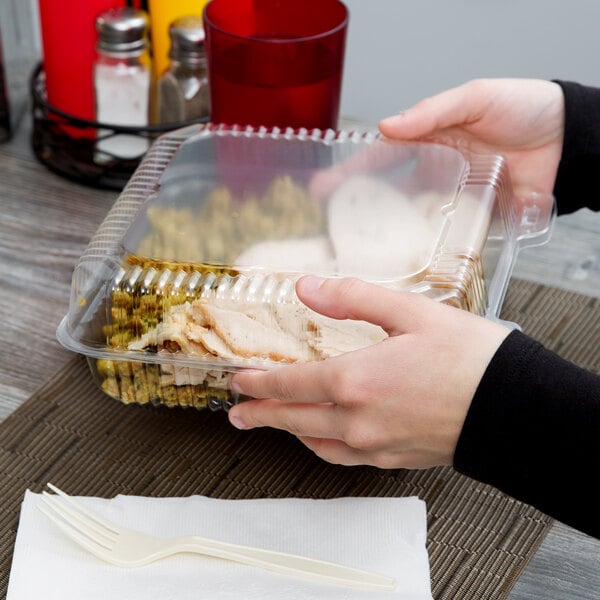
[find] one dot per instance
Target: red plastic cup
(276, 63)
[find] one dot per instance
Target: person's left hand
(399, 403)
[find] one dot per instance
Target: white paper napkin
(386, 535)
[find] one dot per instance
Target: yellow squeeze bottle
(162, 14)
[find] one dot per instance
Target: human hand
(399, 403)
(523, 119)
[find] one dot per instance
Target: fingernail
(236, 388)
(311, 283)
(237, 422)
(393, 120)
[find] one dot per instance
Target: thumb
(349, 298)
(428, 117)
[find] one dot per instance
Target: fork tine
(85, 542)
(83, 509)
(80, 518)
(78, 522)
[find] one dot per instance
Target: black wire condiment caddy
(67, 144)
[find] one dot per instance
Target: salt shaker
(182, 90)
(122, 81)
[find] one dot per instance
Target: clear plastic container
(191, 275)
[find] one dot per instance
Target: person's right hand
(523, 119)
(400, 403)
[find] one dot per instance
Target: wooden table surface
(46, 222)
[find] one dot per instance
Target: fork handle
(289, 564)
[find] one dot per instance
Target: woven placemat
(479, 540)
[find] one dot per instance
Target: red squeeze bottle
(68, 31)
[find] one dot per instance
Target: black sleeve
(577, 181)
(533, 431)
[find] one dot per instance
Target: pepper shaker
(122, 81)
(162, 14)
(182, 90)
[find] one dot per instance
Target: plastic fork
(124, 547)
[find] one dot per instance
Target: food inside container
(191, 276)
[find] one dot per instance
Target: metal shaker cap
(187, 41)
(122, 30)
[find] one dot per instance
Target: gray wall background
(399, 51)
